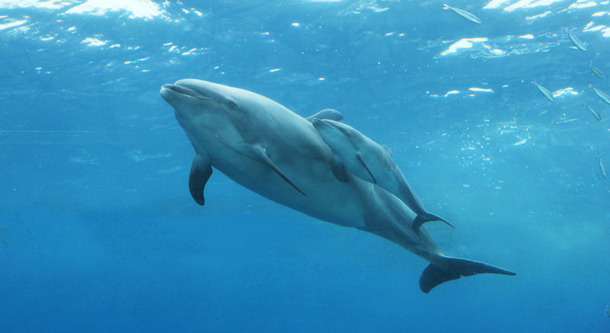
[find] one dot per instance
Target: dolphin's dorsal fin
(421, 219)
(339, 171)
(361, 159)
(258, 153)
(331, 114)
(201, 170)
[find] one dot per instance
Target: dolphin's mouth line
(318, 123)
(184, 91)
(322, 124)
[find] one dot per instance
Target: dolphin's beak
(175, 89)
(197, 90)
(330, 125)
(165, 91)
(320, 124)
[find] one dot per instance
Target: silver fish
(602, 95)
(593, 111)
(467, 15)
(602, 169)
(577, 42)
(547, 93)
(596, 71)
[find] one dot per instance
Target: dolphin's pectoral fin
(453, 269)
(339, 171)
(331, 114)
(359, 156)
(201, 170)
(420, 219)
(260, 154)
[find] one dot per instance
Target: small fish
(467, 15)
(547, 93)
(596, 71)
(593, 111)
(577, 42)
(602, 169)
(608, 311)
(602, 95)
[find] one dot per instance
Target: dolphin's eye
(232, 104)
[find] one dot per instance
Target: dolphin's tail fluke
(449, 269)
(420, 219)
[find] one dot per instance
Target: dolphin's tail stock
(449, 269)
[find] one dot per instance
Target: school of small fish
(578, 44)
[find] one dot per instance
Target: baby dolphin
(372, 162)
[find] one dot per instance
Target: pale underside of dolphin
(278, 154)
(372, 162)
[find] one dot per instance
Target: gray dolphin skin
(278, 154)
(372, 162)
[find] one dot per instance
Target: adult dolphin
(370, 161)
(276, 153)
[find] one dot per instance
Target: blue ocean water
(98, 231)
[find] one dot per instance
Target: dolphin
(278, 154)
(372, 162)
(331, 114)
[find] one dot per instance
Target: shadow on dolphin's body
(278, 154)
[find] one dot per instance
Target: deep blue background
(98, 231)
